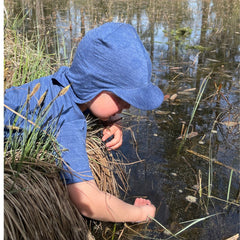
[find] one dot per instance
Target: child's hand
(148, 209)
(115, 131)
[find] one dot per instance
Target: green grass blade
(229, 185)
(197, 101)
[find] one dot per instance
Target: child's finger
(106, 134)
(114, 143)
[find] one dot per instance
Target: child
(111, 70)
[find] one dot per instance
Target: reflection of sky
(237, 57)
(160, 49)
(196, 26)
(160, 38)
(144, 21)
(196, 21)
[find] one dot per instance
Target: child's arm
(98, 205)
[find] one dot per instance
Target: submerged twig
(214, 161)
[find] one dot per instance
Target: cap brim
(146, 98)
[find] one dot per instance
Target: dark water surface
(187, 41)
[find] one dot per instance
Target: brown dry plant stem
(214, 161)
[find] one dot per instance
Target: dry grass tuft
(36, 202)
(22, 58)
(105, 167)
(36, 206)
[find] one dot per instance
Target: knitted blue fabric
(111, 58)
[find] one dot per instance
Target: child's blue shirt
(71, 127)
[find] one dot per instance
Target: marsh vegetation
(189, 148)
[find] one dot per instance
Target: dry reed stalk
(22, 59)
(235, 237)
(214, 161)
(104, 166)
(9, 59)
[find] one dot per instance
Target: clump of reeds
(36, 205)
(36, 202)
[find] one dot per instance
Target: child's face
(107, 104)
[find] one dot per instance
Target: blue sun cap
(112, 58)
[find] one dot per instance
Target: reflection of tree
(40, 19)
(218, 27)
(202, 41)
(204, 27)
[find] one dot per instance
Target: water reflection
(209, 40)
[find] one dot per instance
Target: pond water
(189, 41)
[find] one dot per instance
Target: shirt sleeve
(72, 139)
